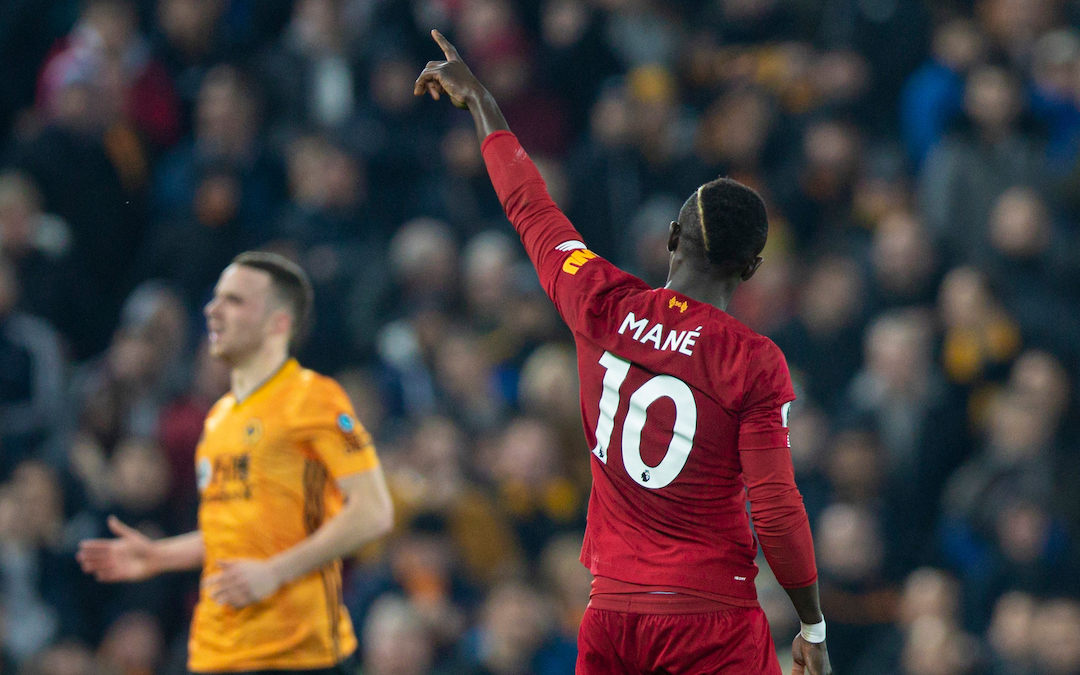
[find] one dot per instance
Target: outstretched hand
(810, 658)
(451, 77)
(128, 557)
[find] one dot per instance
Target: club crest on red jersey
(674, 302)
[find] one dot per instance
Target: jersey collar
(286, 370)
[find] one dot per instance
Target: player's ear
(751, 268)
(281, 321)
(674, 231)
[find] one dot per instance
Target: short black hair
(732, 223)
(291, 284)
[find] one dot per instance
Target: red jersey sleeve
(574, 277)
(763, 422)
(776, 507)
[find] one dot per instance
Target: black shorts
(350, 665)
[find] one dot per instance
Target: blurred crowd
(921, 163)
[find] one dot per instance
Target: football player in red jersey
(686, 411)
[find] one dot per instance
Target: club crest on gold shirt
(253, 431)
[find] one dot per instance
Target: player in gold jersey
(288, 482)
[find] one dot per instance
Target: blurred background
(921, 162)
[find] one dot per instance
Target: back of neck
(715, 292)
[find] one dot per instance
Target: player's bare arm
(454, 79)
(368, 513)
(810, 657)
(132, 556)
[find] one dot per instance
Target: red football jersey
(672, 391)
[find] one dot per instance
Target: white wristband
(814, 632)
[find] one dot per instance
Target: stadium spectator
(133, 645)
(464, 374)
(574, 59)
(856, 468)
(1010, 634)
(933, 96)
(532, 486)
(516, 635)
(989, 153)
(927, 593)
(395, 641)
(1014, 26)
(180, 426)
(228, 118)
(821, 342)
(189, 250)
(189, 40)
(816, 191)
(106, 49)
(980, 336)
(458, 190)
(122, 392)
(38, 245)
(548, 390)
(810, 439)
(854, 590)
(31, 379)
(934, 647)
(1053, 94)
(326, 226)
(434, 478)
(311, 76)
(734, 135)
(902, 393)
(604, 172)
(83, 182)
(905, 265)
(1025, 255)
(1055, 636)
(397, 138)
(67, 657)
(567, 581)
(995, 510)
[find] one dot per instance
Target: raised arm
(519, 186)
(454, 79)
(553, 244)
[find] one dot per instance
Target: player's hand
(810, 658)
(242, 582)
(451, 77)
(128, 557)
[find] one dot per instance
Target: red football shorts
(733, 642)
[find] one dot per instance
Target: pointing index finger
(448, 49)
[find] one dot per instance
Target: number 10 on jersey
(660, 386)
